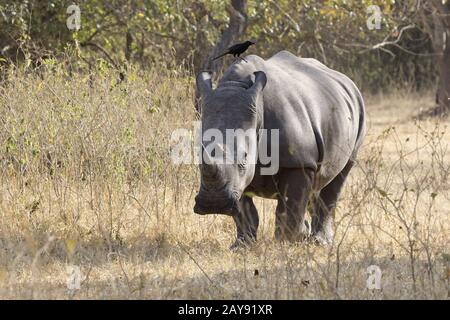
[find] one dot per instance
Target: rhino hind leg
(323, 208)
(294, 189)
(247, 222)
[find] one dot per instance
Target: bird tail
(219, 56)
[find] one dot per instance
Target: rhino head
(230, 116)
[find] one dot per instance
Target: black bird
(236, 50)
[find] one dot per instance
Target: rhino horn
(209, 167)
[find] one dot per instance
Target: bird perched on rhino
(236, 50)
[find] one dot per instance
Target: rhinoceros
(320, 117)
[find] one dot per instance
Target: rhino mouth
(229, 209)
(204, 206)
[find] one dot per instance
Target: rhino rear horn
(209, 167)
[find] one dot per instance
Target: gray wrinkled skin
(320, 115)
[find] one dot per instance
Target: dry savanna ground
(86, 183)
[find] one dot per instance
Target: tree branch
(102, 50)
(236, 27)
(396, 41)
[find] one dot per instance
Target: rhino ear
(260, 83)
(204, 83)
(204, 88)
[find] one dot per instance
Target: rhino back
(319, 111)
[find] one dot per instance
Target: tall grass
(87, 180)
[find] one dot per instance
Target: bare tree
(434, 18)
(236, 28)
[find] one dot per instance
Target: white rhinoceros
(320, 116)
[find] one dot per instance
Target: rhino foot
(300, 235)
(321, 239)
(242, 243)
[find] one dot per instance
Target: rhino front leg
(294, 186)
(247, 222)
(323, 209)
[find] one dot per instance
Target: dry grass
(86, 180)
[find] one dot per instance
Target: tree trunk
(443, 92)
(128, 45)
(444, 79)
(236, 28)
